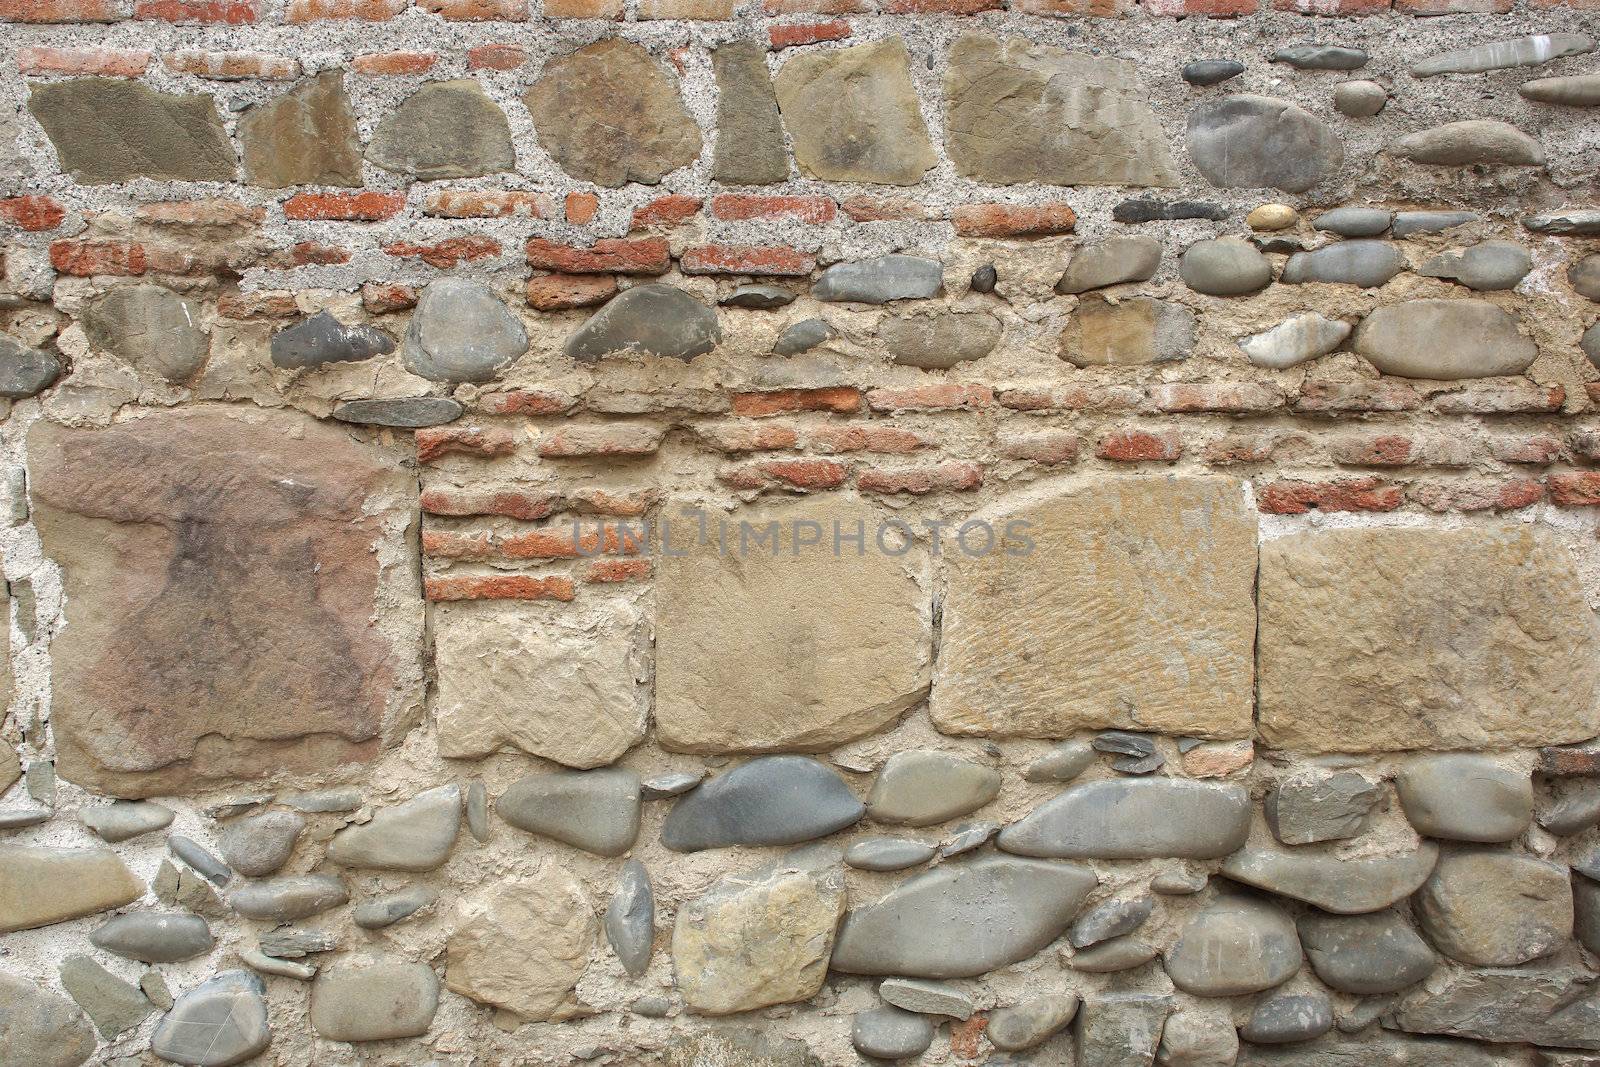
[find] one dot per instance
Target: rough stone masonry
(794, 533)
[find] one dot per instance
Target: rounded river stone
(1287, 1018)
(414, 836)
(630, 920)
(461, 332)
(772, 800)
(154, 936)
(1365, 954)
(888, 1033)
(1235, 945)
(1135, 819)
(218, 1023)
(597, 811)
(652, 320)
(1446, 340)
(1250, 142)
(922, 788)
(260, 844)
(887, 854)
(1465, 797)
(1226, 266)
(1496, 909)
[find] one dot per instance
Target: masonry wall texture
(791, 533)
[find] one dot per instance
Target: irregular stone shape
(1253, 142)
(1312, 805)
(1135, 819)
(1198, 1039)
(1321, 57)
(773, 800)
(261, 963)
(1461, 796)
(1584, 277)
(1378, 1049)
(446, 129)
(151, 328)
(1410, 223)
(406, 413)
(390, 908)
(880, 280)
(261, 844)
(125, 819)
(1285, 1018)
(1496, 909)
(921, 788)
(1388, 640)
(1354, 221)
(293, 942)
(414, 836)
(758, 297)
(1224, 266)
(752, 941)
(219, 1022)
(938, 340)
(1121, 1029)
(41, 1029)
(323, 800)
(1208, 72)
(887, 854)
(1365, 954)
(114, 130)
(179, 887)
(1487, 267)
(1149, 210)
(1360, 99)
(40, 885)
(1062, 764)
(1574, 811)
(1118, 954)
(888, 1033)
(1111, 262)
(288, 897)
(926, 998)
(114, 1006)
(968, 836)
(963, 919)
(985, 278)
(1030, 1022)
(1232, 946)
(1586, 912)
(1110, 918)
(852, 114)
(652, 320)
(154, 936)
(374, 1000)
(521, 945)
(1575, 90)
(1569, 223)
(630, 920)
(323, 339)
(1166, 604)
(1365, 263)
(1016, 111)
(462, 332)
(597, 811)
(1332, 883)
(306, 136)
(610, 114)
(1471, 142)
(1498, 55)
(1551, 1007)
(1590, 343)
(670, 784)
(1138, 330)
(727, 677)
(803, 336)
(196, 529)
(25, 371)
(198, 857)
(750, 147)
(1295, 340)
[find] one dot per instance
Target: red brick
(1580, 489)
(231, 66)
(732, 437)
(617, 570)
(841, 399)
(202, 214)
(526, 402)
(931, 398)
(1222, 9)
(380, 298)
(42, 11)
(307, 254)
(964, 1036)
(1455, 7)
(818, 7)
(207, 12)
(1350, 494)
(436, 441)
(795, 473)
(498, 587)
(609, 255)
(739, 207)
(666, 211)
(1140, 446)
(568, 541)
(607, 502)
(366, 206)
(1233, 398)
(940, 7)
(558, 292)
(1098, 9)
(1013, 220)
(945, 477)
(34, 214)
(1378, 450)
(477, 10)
(450, 252)
(100, 62)
(1512, 398)
(394, 63)
(1476, 496)
(1051, 447)
(496, 57)
(88, 258)
(583, 9)
(883, 209)
(445, 544)
(1332, 7)
(475, 204)
(868, 438)
(747, 259)
(300, 11)
(1075, 398)
(1536, 450)
(1570, 761)
(506, 503)
(258, 305)
(796, 34)
(1358, 396)
(619, 439)
(581, 208)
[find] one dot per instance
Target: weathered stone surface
(852, 114)
(1471, 142)
(920, 788)
(880, 280)
(597, 811)
(1109, 919)
(1135, 819)
(1285, 1018)
(39, 1028)
(1030, 1022)
(179, 887)
(1360, 99)
(151, 328)
(26, 371)
(1410, 223)
(1354, 221)
(1118, 954)
(1022, 112)
(887, 1033)
(1496, 909)
(750, 147)
(336, 799)
(940, 339)
(1165, 604)
(306, 136)
(758, 297)
(1589, 342)
(755, 940)
(136, 710)
(1550, 1007)
(1208, 72)
(1333, 883)
(461, 332)
(1234, 945)
(1321, 57)
(1061, 764)
(200, 858)
(887, 854)
(1388, 640)
(1584, 277)
(390, 908)
(323, 339)
(114, 130)
(406, 413)
(1147, 209)
(963, 919)
(1574, 90)
(260, 844)
(1465, 797)
(1365, 263)
(290, 941)
(1572, 222)
(802, 336)
(40, 885)
(413, 836)
(608, 113)
(373, 999)
(1250, 142)
(1573, 810)
(262, 963)
(1111, 262)
(926, 998)
(1529, 51)
(1586, 912)
(652, 320)
(773, 800)
(727, 676)
(1311, 805)
(1224, 266)
(113, 1005)
(630, 920)
(1378, 1049)
(522, 944)
(154, 936)
(219, 1022)
(446, 129)
(1198, 1039)
(670, 784)
(288, 897)
(1487, 267)
(1137, 330)
(1121, 1029)
(1365, 954)
(125, 819)
(1272, 217)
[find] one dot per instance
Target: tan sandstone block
(521, 946)
(40, 886)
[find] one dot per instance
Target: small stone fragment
(1118, 954)
(151, 328)
(154, 936)
(1444, 339)
(324, 800)
(880, 280)
(461, 332)
(926, 998)
(1133, 212)
(1312, 805)
(1061, 764)
(1321, 57)
(1365, 954)
(125, 819)
(1354, 221)
(802, 336)
(405, 413)
(323, 339)
(370, 999)
(888, 1033)
(1111, 262)
(288, 897)
(597, 811)
(1180, 882)
(20, 818)
(1135, 819)
(757, 297)
(40, 885)
(477, 807)
(390, 908)
(630, 921)
(652, 320)
(921, 788)
(1285, 1018)
(1226, 266)
(984, 279)
(1272, 217)
(1589, 341)
(1584, 277)
(771, 800)
(1234, 945)
(113, 1005)
(1496, 909)
(1360, 99)
(968, 836)
(1465, 797)
(1138, 330)
(1487, 267)
(1030, 1022)
(1332, 883)
(25, 371)
(414, 836)
(1294, 341)
(1251, 142)
(180, 887)
(887, 854)
(1199, 1039)
(1207, 72)
(671, 784)
(1110, 918)
(293, 941)
(446, 129)
(218, 1023)
(1472, 142)
(262, 963)
(1365, 263)
(1121, 1029)
(1530, 51)
(1410, 223)
(196, 856)
(261, 844)
(1575, 90)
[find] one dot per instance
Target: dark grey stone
(880, 280)
(1365, 954)
(25, 371)
(920, 788)
(631, 918)
(1573, 810)
(1123, 743)
(151, 328)
(758, 297)
(324, 339)
(1312, 805)
(597, 811)
(1135, 819)
(1111, 262)
(114, 130)
(1586, 912)
(1118, 954)
(1465, 797)
(477, 807)
(1139, 764)
(1205, 72)
(1365, 263)
(154, 936)
(750, 148)
(1490, 266)
(405, 413)
(461, 332)
(1321, 57)
(984, 279)
(671, 784)
(652, 320)
(1030, 1022)
(292, 942)
(195, 855)
(1285, 1018)
(771, 800)
(1062, 764)
(802, 336)
(286, 898)
(259, 845)
(390, 908)
(1530, 51)
(126, 819)
(1251, 142)
(1411, 223)
(219, 1022)
(1121, 1029)
(416, 835)
(1558, 1007)
(926, 997)
(1132, 212)
(446, 129)
(1332, 883)
(887, 1033)
(1354, 221)
(1577, 222)
(114, 1006)
(1110, 918)
(887, 854)
(1234, 945)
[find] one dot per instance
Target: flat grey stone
(1574, 810)
(1321, 57)
(749, 149)
(1529, 51)
(1359, 99)
(414, 836)
(962, 919)
(151, 328)
(1198, 1039)
(1061, 764)
(1584, 277)
(41, 1029)
(262, 963)
(1365, 263)
(1234, 945)
(630, 919)
(404, 413)
(1284, 1018)
(966, 837)
(597, 811)
(1490, 266)
(40, 779)
(1465, 797)
(1574, 90)
(1411, 223)
(771, 800)
(1354, 221)
(1295, 340)
(1447, 340)
(1147, 209)
(652, 320)
(179, 887)
(154, 936)
(1225, 266)
(920, 788)
(323, 339)
(1207, 72)
(938, 339)
(1118, 954)
(1253, 142)
(1586, 912)
(390, 908)
(198, 857)
(802, 336)
(286, 898)
(461, 332)
(477, 805)
(20, 818)
(156, 990)
(1121, 1029)
(374, 1000)
(1491, 908)
(114, 1006)
(1575, 222)
(25, 371)
(1135, 819)
(125, 819)
(671, 784)
(108, 130)
(1342, 886)
(887, 1033)
(926, 997)
(260, 844)
(324, 800)
(880, 280)
(1111, 262)
(1110, 918)
(1471, 142)
(1558, 1007)
(219, 1022)
(1312, 805)
(1030, 1022)
(1365, 954)
(757, 297)
(652, 1007)
(887, 854)
(446, 129)
(233, 807)
(1123, 743)
(294, 942)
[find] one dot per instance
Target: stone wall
(687, 533)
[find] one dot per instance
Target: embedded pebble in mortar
(1496, 909)
(1576, 90)
(25, 371)
(151, 328)
(1311, 805)
(1179, 882)
(296, 941)
(926, 998)
(891, 1034)
(1135, 819)
(1590, 343)
(326, 800)
(1284, 1018)
(1569, 223)
(1331, 882)
(1110, 918)
(630, 920)
(125, 819)
(413, 836)
(461, 332)
(887, 854)
(1487, 267)
(1118, 954)
(373, 999)
(182, 888)
(114, 1006)
(938, 340)
(653, 320)
(1111, 262)
(757, 297)
(597, 811)
(446, 129)
(984, 279)
(1207, 72)
(802, 336)
(1295, 340)
(1232, 946)
(1321, 57)
(41, 885)
(1272, 217)
(1133, 212)
(220, 1022)
(880, 280)
(1471, 142)
(1360, 99)
(1584, 277)
(477, 806)
(390, 908)
(1574, 812)
(1365, 954)
(1411, 223)
(1120, 1029)
(920, 788)
(1030, 1022)
(262, 963)
(1061, 764)
(1464, 797)
(1250, 142)
(1444, 339)
(323, 339)
(1202, 1039)
(1225, 266)
(1137, 330)
(261, 844)
(402, 413)
(1499, 55)
(966, 837)
(1354, 221)
(771, 800)
(154, 936)
(1368, 264)
(19, 818)
(671, 784)
(288, 897)
(42, 1029)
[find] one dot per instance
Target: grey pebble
(114, 1006)
(1354, 221)
(390, 908)
(1321, 57)
(984, 279)
(154, 936)
(1061, 764)
(324, 800)
(802, 336)
(966, 837)
(1207, 72)
(887, 854)
(288, 897)
(630, 919)
(887, 1033)
(1288, 1017)
(757, 297)
(597, 811)
(671, 784)
(1464, 797)
(1110, 918)
(415, 835)
(926, 997)
(261, 844)
(1411, 223)
(218, 1023)
(1365, 263)
(402, 413)
(1118, 954)
(478, 811)
(195, 855)
(880, 280)
(770, 800)
(323, 339)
